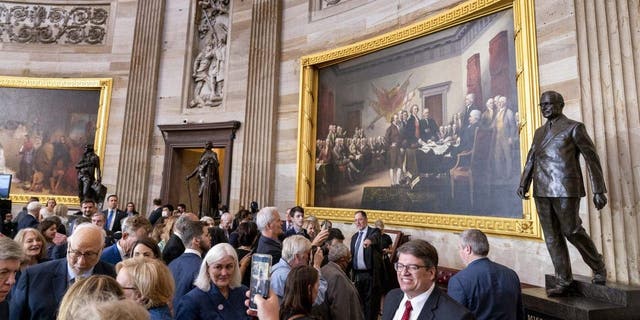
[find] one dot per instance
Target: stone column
(140, 109)
(609, 66)
(258, 154)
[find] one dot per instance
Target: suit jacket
(39, 291)
(373, 253)
(438, 306)
(155, 215)
(111, 255)
(553, 161)
(118, 218)
(490, 290)
(341, 297)
(292, 232)
(428, 129)
(173, 249)
(4, 309)
(27, 221)
(201, 305)
(184, 269)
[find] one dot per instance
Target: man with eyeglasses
(10, 256)
(418, 296)
(40, 289)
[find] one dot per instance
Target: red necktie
(407, 310)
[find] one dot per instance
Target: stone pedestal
(585, 301)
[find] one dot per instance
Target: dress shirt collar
(417, 303)
(194, 251)
(71, 275)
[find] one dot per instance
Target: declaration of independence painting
(42, 134)
(430, 125)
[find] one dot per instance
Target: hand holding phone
(260, 283)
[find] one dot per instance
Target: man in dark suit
(185, 268)
(10, 256)
(113, 214)
(39, 291)
(366, 264)
(488, 289)
(553, 165)
(133, 228)
(174, 247)
(30, 220)
(418, 293)
(428, 127)
(296, 214)
(156, 213)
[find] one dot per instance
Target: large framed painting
(44, 125)
(427, 125)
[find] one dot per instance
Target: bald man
(40, 289)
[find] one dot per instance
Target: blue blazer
(41, 287)
(184, 269)
(490, 290)
(27, 221)
(111, 255)
(211, 305)
(438, 306)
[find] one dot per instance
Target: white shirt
(417, 303)
(194, 251)
(360, 250)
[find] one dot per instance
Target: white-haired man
(296, 251)
(30, 220)
(270, 226)
(342, 297)
(10, 257)
(39, 291)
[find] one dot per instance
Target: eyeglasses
(77, 254)
(411, 267)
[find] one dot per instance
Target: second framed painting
(426, 125)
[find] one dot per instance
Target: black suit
(554, 166)
(4, 309)
(119, 215)
(173, 249)
(155, 215)
(367, 281)
(39, 291)
(428, 129)
(438, 306)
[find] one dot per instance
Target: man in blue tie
(367, 265)
(113, 214)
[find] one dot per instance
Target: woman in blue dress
(218, 293)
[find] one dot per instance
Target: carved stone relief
(44, 23)
(209, 65)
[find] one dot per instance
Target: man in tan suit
(554, 166)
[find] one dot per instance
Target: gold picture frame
(526, 85)
(60, 115)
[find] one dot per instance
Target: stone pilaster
(140, 108)
(258, 173)
(609, 66)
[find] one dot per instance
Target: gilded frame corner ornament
(524, 31)
(102, 85)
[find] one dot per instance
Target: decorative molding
(209, 65)
(59, 24)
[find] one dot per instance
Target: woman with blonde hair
(149, 283)
(94, 289)
(162, 231)
(218, 293)
(312, 225)
(112, 309)
(34, 247)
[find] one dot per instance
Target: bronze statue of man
(209, 190)
(88, 173)
(554, 166)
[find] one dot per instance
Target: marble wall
(586, 50)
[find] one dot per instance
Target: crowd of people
(171, 265)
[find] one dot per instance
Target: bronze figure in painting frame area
(392, 92)
(45, 124)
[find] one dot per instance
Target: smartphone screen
(260, 283)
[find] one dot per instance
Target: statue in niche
(209, 179)
(89, 176)
(209, 64)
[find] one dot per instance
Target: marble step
(540, 307)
